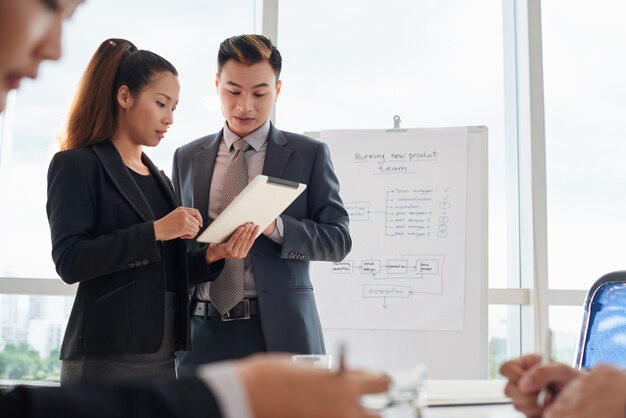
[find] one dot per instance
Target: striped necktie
(227, 290)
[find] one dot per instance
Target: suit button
(144, 262)
(137, 263)
(290, 255)
(301, 257)
(131, 265)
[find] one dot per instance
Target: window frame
(528, 294)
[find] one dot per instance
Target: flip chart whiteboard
(414, 288)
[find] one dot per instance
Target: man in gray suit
(275, 310)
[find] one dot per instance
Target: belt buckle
(246, 312)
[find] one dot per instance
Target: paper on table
(465, 392)
(262, 201)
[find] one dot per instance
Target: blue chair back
(603, 333)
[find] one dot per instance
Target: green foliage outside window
(22, 362)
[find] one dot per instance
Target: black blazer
(103, 238)
(185, 398)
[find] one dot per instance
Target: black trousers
(215, 340)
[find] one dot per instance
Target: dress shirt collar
(256, 139)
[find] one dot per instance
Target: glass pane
(356, 64)
(188, 35)
(585, 100)
(31, 332)
(565, 323)
(504, 335)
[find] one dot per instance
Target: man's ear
(217, 80)
(279, 84)
(124, 98)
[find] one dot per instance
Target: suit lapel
(115, 168)
(277, 154)
(203, 164)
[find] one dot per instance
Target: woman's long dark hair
(116, 63)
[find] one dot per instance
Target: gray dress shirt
(255, 158)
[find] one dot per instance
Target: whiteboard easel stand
(445, 360)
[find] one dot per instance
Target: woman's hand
(237, 246)
(180, 223)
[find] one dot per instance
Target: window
(585, 100)
(31, 331)
(356, 64)
(187, 34)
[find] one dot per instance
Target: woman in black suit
(117, 228)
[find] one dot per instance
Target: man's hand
(600, 393)
(270, 228)
(527, 376)
(237, 246)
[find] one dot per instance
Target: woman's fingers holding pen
(194, 222)
(182, 222)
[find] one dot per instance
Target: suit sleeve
(199, 270)
(323, 235)
(185, 398)
(79, 253)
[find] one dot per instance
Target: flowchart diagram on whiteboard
(405, 191)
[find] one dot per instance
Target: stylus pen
(342, 358)
(546, 357)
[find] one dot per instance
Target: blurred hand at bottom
(279, 388)
(599, 393)
(527, 376)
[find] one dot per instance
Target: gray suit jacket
(316, 228)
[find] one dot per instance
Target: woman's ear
(124, 98)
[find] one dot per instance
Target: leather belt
(242, 310)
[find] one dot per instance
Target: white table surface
(474, 411)
(461, 399)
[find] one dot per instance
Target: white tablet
(263, 199)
